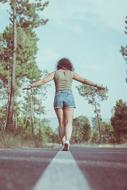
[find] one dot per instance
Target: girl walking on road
(64, 103)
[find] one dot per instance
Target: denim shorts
(64, 99)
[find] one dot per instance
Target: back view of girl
(64, 103)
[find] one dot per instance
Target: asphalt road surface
(81, 168)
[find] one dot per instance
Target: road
(81, 168)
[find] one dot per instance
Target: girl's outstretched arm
(85, 81)
(46, 79)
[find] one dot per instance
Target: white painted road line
(62, 175)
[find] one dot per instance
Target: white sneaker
(66, 147)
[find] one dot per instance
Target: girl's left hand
(27, 88)
(100, 88)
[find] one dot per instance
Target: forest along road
(81, 168)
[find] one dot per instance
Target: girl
(64, 103)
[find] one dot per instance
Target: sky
(89, 33)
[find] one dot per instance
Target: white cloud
(110, 12)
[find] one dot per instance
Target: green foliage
(106, 130)
(44, 131)
(126, 25)
(28, 14)
(3, 104)
(28, 18)
(81, 130)
(3, 110)
(95, 122)
(93, 97)
(26, 56)
(94, 137)
(107, 133)
(56, 138)
(5, 56)
(124, 51)
(119, 120)
(124, 48)
(91, 94)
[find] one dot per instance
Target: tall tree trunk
(98, 120)
(10, 113)
(32, 112)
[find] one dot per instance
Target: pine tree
(94, 97)
(119, 119)
(18, 52)
(81, 130)
(124, 48)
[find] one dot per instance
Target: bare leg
(68, 118)
(59, 113)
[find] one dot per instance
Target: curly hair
(65, 63)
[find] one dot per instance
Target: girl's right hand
(100, 88)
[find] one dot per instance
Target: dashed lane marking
(61, 174)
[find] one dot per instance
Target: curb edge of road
(55, 146)
(101, 145)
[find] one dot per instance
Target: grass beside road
(10, 140)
